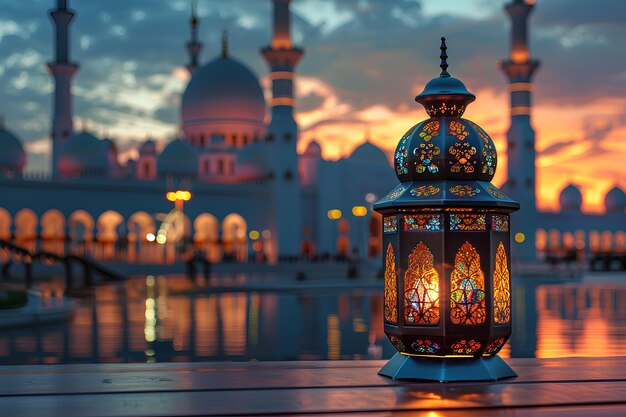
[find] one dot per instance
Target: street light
(178, 197)
(447, 297)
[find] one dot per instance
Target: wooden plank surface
(583, 386)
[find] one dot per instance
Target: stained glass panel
(467, 288)
(464, 190)
(466, 347)
(391, 289)
(494, 346)
(395, 193)
(425, 191)
(390, 224)
(422, 222)
(468, 222)
(500, 223)
(421, 288)
(402, 166)
(501, 288)
(425, 346)
(495, 193)
(397, 343)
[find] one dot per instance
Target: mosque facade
(244, 193)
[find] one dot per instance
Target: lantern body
(446, 246)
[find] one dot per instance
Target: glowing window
(425, 346)
(501, 288)
(422, 223)
(467, 288)
(500, 223)
(390, 224)
(466, 347)
(391, 291)
(468, 222)
(421, 288)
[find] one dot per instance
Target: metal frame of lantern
(446, 246)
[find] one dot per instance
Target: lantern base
(485, 368)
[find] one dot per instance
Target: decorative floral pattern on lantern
(499, 223)
(391, 291)
(425, 191)
(462, 152)
(466, 347)
(495, 193)
(402, 166)
(421, 288)
(422, 222)
(468, 222)
(390, 224)
(501, 288)
(397, 343)
(395, 193)
(488, 151)
(425, 346)
(464, 190)
(467, 288)
(427, 151)
(495, 346)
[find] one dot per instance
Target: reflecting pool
(159, 319)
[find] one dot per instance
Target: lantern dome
(446, 159)
(570, 199)
(12, 155)
(615, 200)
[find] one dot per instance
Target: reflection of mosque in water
(162, 320)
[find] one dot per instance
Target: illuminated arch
(139, 225)
(107, 236)
(501, 288)
(26, 228)
(81, 226)
(606, 242)
(620, 242)
(421, 288)
(594, 241)
(52, 231)
(206, 230)
(541, 241)
(391, 289)
(234, 237)
(467, 288)
(5, 224)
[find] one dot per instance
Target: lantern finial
(444, 57)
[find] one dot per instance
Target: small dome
(615, 200)
(83, 153)
(148, 148)
(313, 150)
(12, 155)
(223, 96)
(570, 199)
(178, 158)
(368, 153)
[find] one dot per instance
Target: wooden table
(545, 387)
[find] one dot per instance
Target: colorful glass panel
(464, 190)
(394, 193)
(425, 191)
(494, 192)
(425, 346)
(421, 288)
(501, 288)
(422, 223)
(462, 151)
(468, 222)
(495, 346)
(466, 347)
(499, 223)
(402, 165)
(397, 343)
(467, 288)
(391, 289)
(390, 224)
(489, 161)
(426, 151)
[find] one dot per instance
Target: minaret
(282, 58)
(193, 46)
(62, 69)
(519, 69)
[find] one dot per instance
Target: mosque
(235, 188)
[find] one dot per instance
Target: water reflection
(160, 319)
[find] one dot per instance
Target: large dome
(178, 158)
(570, 199)
(367, 152)
(84, 153)
(12, 155)
(223, 97)
(615, 200)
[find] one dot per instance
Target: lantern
(446, 246)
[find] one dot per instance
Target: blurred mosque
(234, 186)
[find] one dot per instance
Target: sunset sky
(365, 61)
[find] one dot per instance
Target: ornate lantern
(446, 246)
